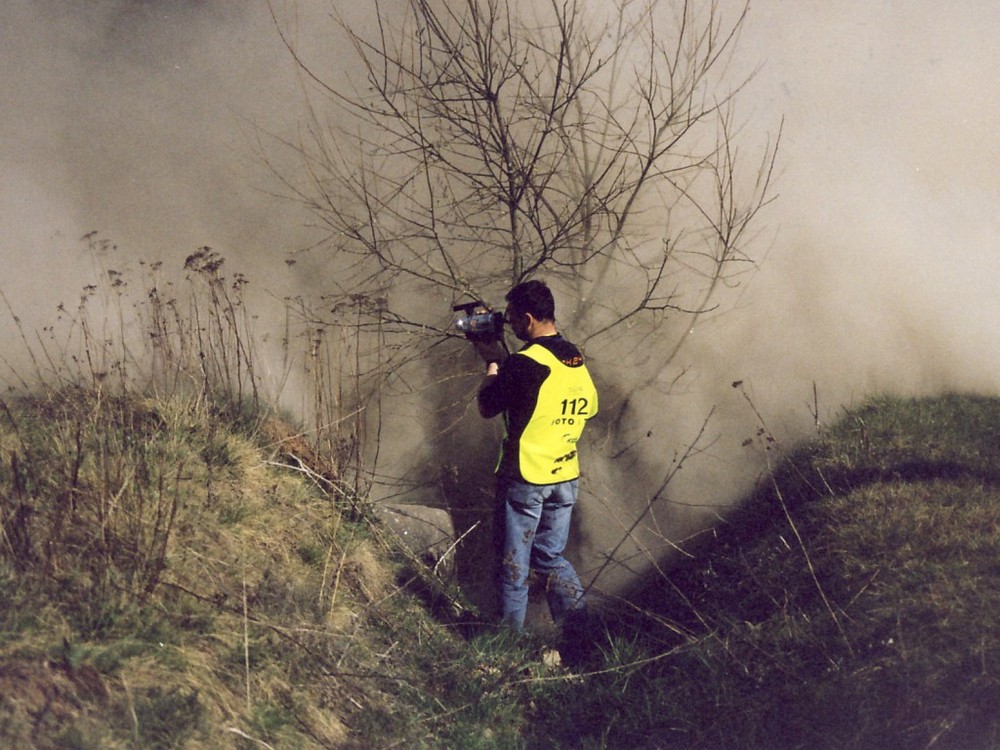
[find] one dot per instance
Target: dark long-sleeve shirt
(546, 395)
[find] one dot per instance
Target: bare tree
(476, 143)
(487, 141)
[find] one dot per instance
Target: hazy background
(143, 120)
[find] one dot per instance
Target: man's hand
(490, 351)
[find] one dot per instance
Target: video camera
(479, 323)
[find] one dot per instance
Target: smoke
(141, 119)
(138, 119)
(878, 276)
(885, 249)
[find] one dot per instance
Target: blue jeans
(535, 519)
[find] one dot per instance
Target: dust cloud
(879, 274)
(141, 119)
(137, 120)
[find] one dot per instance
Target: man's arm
(489, 396)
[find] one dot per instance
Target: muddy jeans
(535, 519)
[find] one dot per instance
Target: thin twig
(246, 637)
(791, 521)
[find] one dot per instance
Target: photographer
(545, 395)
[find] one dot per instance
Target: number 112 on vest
(575, 406)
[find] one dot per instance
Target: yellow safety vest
(567, 398)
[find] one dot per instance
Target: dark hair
(533, 297)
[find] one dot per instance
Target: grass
(180, 569)
(864, 616)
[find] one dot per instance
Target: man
(546, 395)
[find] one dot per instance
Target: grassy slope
(167, 582)
(852, 602)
